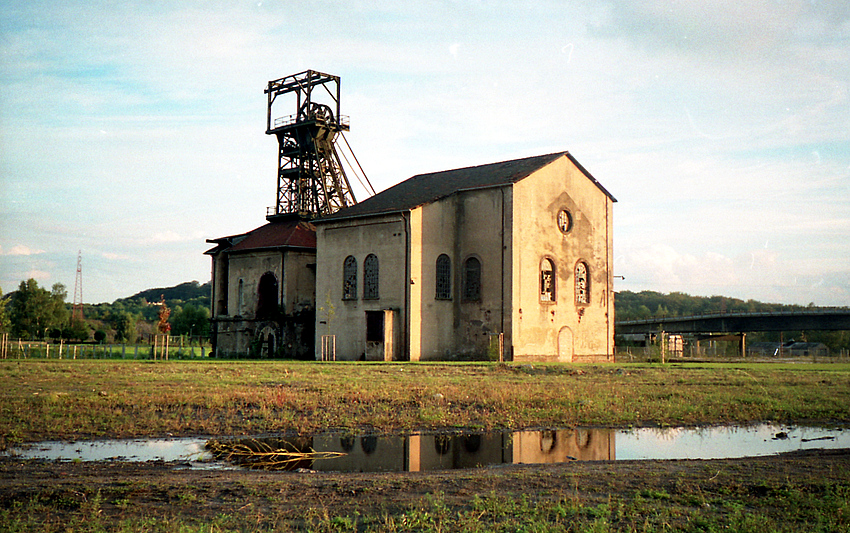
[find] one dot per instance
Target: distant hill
(650, 304)
(190, 291)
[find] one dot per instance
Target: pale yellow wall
(466, 224)
(386, 237)
(432, 320)
(481, 226)
(537, 325)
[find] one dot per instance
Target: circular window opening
(565, 221)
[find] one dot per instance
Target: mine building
(510, 260)
(503, 261)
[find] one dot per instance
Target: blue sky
(134, 131)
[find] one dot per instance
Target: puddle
(132, 450)
(425, 451)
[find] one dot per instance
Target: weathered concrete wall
(464, 225)
(298, 290)
(387, 238)
(219, 290)
(562, 329)
(248, 268)
(287, 332)
(480, 224)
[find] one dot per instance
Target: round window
(565, 221)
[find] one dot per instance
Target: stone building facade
(508, 260)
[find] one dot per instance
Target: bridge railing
(819, 311)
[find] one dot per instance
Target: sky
(131, 132)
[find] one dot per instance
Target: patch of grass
(83, 398)
(682, 496)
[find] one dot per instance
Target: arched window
(547, 281)
(444, 278)
(472, 279)
(267, 290)
(582, 284)
(349, 278)
(370, 277)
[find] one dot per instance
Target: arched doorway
(565, 345)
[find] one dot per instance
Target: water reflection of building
(558, 446)
(421, 452)
(362, 454)
(446, 452)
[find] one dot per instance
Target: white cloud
(662, 264)
(116, 257)
(20, 249)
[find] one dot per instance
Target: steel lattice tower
(310, 178)
(77, 305)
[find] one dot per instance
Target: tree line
(650, 304)
(36, 313)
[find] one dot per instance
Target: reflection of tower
(77, 305)
(310, 178)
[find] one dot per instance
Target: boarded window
(349, 279)
(370, 277)
(582, 284)
(444, 278)
(472, 279)
(547, 281)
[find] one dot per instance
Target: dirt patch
(116, 492)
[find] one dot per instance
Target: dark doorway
(374, 326)
(271, 345)
(267, 290)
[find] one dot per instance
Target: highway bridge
(817, 319)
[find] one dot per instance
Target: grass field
(88, 399)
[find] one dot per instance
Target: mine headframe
(310, 178)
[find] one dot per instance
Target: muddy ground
(116, 491)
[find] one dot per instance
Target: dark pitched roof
(426, 188)
(291, 233)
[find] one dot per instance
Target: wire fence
(176, 348)
(653, 353)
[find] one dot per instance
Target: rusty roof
(426, 188)
(288, 233)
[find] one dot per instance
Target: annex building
(264, 291)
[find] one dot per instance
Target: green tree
(4, 314)
(643, 312)
(125, 327)
(35, 310)
(76, 330)
(190, 320)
